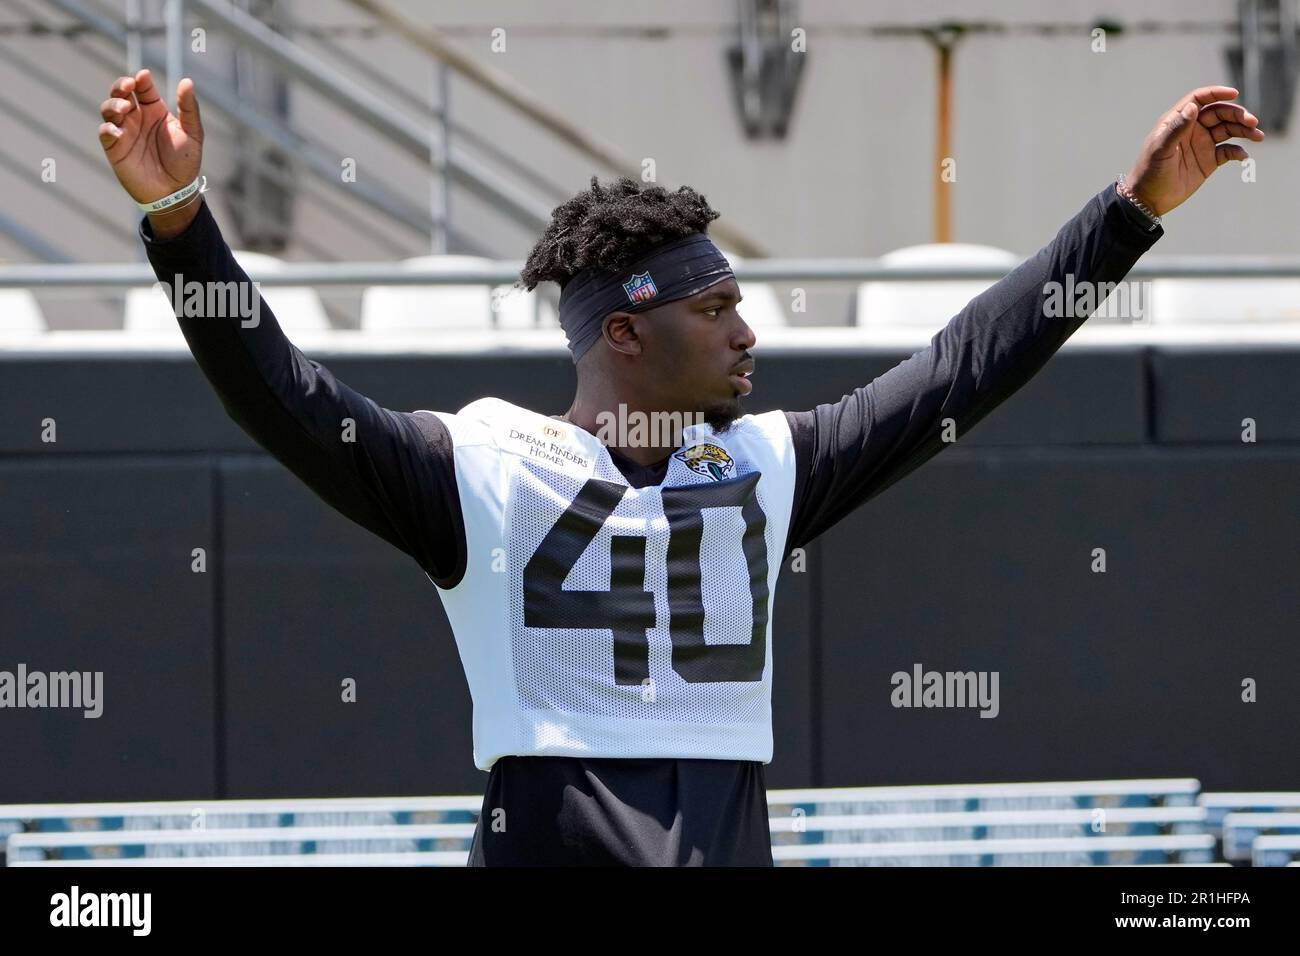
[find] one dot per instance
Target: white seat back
(928, 303)
(20, 315)
(761, 308)
(406, 309)
(1187, 301)
(298, 309)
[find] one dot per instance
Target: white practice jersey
(596, 619)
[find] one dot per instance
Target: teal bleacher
(1166, 822)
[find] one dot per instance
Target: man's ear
(620, 332)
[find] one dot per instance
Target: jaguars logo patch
(707, 459)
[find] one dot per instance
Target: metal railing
(126, 275)
(449, 152)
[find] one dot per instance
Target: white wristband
(167, 202)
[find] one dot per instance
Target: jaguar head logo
(707, 459)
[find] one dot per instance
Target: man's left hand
(1187, 145)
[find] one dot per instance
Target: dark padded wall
(92, 579)
(227, 683)
(312, 599)
(1134, 672)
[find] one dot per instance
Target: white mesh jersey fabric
(596, 619)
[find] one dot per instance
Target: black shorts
(579, 811)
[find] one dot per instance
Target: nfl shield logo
(640, 287)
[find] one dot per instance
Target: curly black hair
(612, 226)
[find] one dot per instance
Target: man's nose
(744, 338)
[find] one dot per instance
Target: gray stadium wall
(227, 683)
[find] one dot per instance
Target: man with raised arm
(612, 597)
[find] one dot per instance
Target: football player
(611, 588)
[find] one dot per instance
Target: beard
(722, 416)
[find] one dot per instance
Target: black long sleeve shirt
(397, 479)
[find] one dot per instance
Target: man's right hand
(153, 152)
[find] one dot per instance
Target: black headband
(671, 271)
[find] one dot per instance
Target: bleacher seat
(1145, 822)
(1044, 851)
(413, 309)
(20, 316)
(1241, 829)
(1219, 805)
(297, 309)
(1116, 822)
(761, 308)
(1186, 301)
(928, 303)
(1281, 850)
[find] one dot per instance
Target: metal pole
(501, 272)
(175, 17)
(134, 42)
(1250, 68)
(943, 145)
(439, 146)
(1287, 38)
